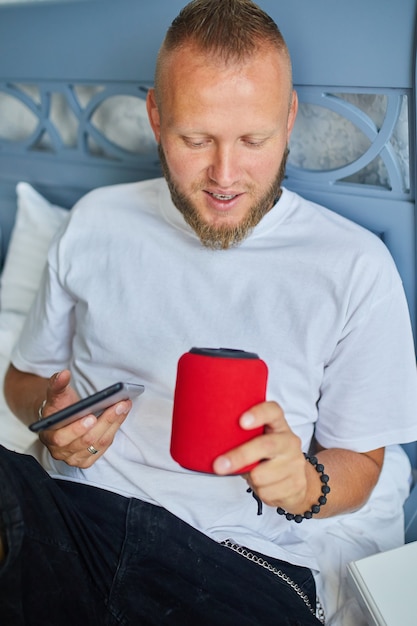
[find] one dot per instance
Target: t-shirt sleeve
(368, 395)
(44, 346)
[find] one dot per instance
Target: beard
(223, 236)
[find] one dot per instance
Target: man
(217, 254)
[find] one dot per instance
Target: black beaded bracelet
(298, 518)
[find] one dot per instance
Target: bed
(73, 78)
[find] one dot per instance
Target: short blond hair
(231, 30)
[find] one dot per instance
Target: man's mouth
(222, 196)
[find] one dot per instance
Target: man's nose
(224, 168)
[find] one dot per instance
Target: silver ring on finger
(92, 450)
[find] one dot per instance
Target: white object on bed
(37, 221)
(385, 585)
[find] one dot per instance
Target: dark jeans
(81, 555)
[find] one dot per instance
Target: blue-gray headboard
(343, 53)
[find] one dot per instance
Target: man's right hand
(79, 444)
(84, 441)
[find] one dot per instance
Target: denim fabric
(81, 555)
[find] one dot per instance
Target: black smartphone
(96, 403)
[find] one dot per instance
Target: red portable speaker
(214, 388)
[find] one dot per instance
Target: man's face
(223, 132)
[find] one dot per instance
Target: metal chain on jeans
(319, 612)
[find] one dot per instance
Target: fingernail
(247, 420)
(222, 465)
(89, 421)
(121, 409)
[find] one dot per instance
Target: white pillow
(37, 221)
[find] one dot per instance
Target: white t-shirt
(129, 288)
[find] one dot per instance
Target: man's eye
(253, 143)
(194, 143)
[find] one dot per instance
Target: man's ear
(153, 114)
(292, 114)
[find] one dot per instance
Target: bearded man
(215, 253)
